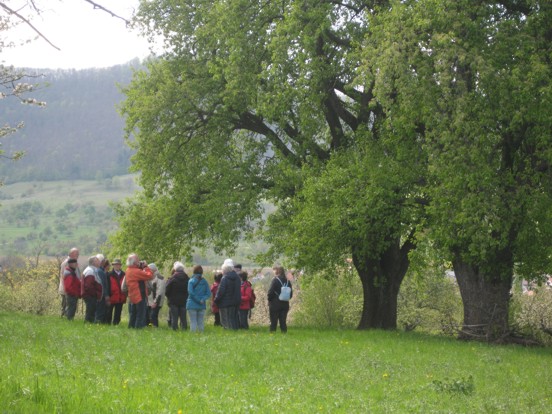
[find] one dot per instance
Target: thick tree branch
(254, 123)
(361, 98)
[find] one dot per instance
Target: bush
(531, 314)
(430, 301)
(329, 299)
(31, 289)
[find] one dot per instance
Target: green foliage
(431, 302)
(58, 366)
(464, 386)
(329, 299)
(31, 289)
(531, 314)
(477, 78)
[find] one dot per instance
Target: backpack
(253, 297)
(285, 293)
(124, 286)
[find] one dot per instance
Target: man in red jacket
(117, 298)
(72, 286)
(92, 288)
(137, 274)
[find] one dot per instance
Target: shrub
(329, 299)
(531, 314)
(31, 289)
(430, 301)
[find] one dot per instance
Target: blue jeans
(243, 316)
(101, 308)
(197, 317)
(137, 314)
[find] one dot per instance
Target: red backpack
(253, 297)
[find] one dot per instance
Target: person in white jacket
(156, 295)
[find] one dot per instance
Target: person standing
(198, 293)
(92, 288)
(156, 295)
(103, 301)
(278, 309)
(177, 295)
(137, 274)
(117, 298)
(72, 286)
(73, 254)
(245, 304)
(228, 296)
(214, 288)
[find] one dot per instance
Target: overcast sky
(87, 37)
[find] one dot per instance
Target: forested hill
(77, 135)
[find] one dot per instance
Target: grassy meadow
(50, 365)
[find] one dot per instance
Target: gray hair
(178, 266)
(226, 268)
(132, 259)
(92, 260)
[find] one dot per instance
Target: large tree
(258, 101)
(487, 117)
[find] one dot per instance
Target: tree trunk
(381, 280)
(486, 297)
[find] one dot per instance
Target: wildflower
(385, 375)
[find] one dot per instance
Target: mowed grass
(50, 365)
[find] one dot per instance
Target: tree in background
(486, 108)
(361, 121)
(260, 101)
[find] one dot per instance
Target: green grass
(55, 366)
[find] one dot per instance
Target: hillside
(50, 217)
(78, 135)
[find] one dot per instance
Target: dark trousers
(71, 307)
(278, 314)
(138, 314)
(101, 306)
(63, 305)
(178, 312)
(243, 316)
(217, 319)
(113, 314)
(90, 312)
(229, 317)
(155, 316)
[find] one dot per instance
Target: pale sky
(87, 37)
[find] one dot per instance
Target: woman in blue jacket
(198, 293)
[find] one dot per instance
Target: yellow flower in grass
(385, 375)
(180, 411)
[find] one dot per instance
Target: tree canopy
(364, 122)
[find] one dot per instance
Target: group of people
(105, 288)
